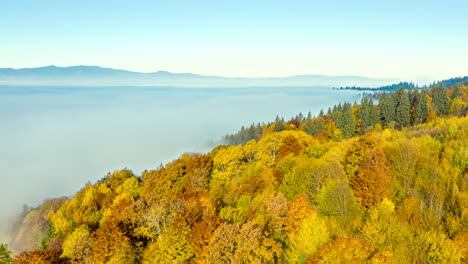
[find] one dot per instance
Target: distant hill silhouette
(98, 76)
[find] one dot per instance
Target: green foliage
(5, 254)
(402, 108)
(421, 111)
(440, 99)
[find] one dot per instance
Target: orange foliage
(40, 257)
(351, 250)
(298, 210)
(368, 171)
(372, 181)
(290, 146)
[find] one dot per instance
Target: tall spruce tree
(387, 109)
(402, 110)
(347, 128)
(420, 114)
(440, 99)
(374, 114)
(364, 114)
(279, 126)
(315, 126)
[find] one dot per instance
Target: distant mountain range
(98, 76)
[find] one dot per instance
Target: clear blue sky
(388, 39)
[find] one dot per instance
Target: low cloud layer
(54, 140)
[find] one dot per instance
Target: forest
(406, 85)
(382, 181)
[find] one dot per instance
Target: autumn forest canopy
(380, 181)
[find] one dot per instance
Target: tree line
(399, 109)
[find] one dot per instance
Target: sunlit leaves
(171, 246)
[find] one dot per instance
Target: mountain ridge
(88, 75)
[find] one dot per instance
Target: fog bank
(54, 140)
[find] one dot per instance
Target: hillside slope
(383, 194)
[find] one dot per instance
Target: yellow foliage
(77, 245)
(387, 134)
(228, 163)
(131, 186)
(312, 234)
(171, 247)
(440, 249)
(103, 188)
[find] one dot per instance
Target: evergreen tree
(250, 133)
(258, 129)
(456, 91)
(5, 257)
(347, 128)
(420, 114)
(279, 126)
(336, 116)
(402, 110)
(440, 99)
(339, 107)
(315, 126)
(374, 114)
(300, 117)
(387, 109)
(363, 114)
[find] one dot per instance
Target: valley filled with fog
(55, 139)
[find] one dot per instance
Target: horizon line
(204, 75)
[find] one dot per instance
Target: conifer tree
(347, 126)
(440, 99)
(5, 257)
(321, 113)
(364, 114)
(402, 110)
(387, 109)
(374, 113)
(316, 126)
(420, 114)
(279, 126)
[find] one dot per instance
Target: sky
(403, 39)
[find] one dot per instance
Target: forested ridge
(406, 85)
(365, 183)
(399, 109)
